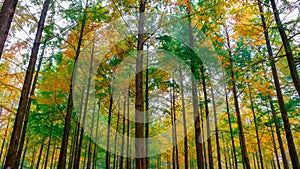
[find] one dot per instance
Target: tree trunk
(15, 137)
(107, 160)
(288, 132)
(139, 104)
(278, 133)
(68, 118)
(147, 108)
(52, 158)
(24, 154)
(292, 66)
(6, 16)
(4, 140)
(173, 113)
(89, 161)
(245, 157)
(200, 162)
(48, 147)
(128, 131)
(256, 131)
(230, 128)
(216, 128)
(40, 156)
(116, 136)
(27, 111)
(123, 133)
(186, 150)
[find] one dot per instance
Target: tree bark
(284, 115)
(15, 137)
(291, 63)
(199, 151)
(40, 156)
(6, 16)
(27, 111)
(245, 157)
(186, 150)
(68, 118)
(216, 128)
(256, 130)
(139, 104)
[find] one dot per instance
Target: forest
(160, 84)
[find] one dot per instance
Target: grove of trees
(150, 84)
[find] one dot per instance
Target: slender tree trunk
(123, 133)
(278, 133)
(230, 128)
(33, 158)
(128, 131)
(4, 140)
(77, 161)
(24, 154)
(94, 108)
(186, 150)
(27, 111)
(74, 153)
(6, 16)
(95, 145)
(40, 156)
(14, 142)
(52, 158)
(216, 128)
(209, 147)
(275, 147)
(48, 147)
(245, 157)
(107, 161)
(116, 135)
(291, 63)
(256, 130)
(202, 136)
(287, 127)
(89, 161)
(139, 104)
(173, 113)
(200, 162)
(147, 108)
(68, 118)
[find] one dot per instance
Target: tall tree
(139, 103)
(284, 115)
(290, 59)
(246, 161)
(15, 137)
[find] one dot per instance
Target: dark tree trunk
(4, 140)
(107, 160)
(230, 128)
(68, 118)
(256, 131)
(287, 127)
(278, 133)
(95, 145)
(15, 136)
(40, 156)
(245, 157)
(52, 158)
(186, 150)
(147, 109)
(24, 154)
(123, 133)
(116, 136)
(216, 128)
(292, 67)
(173, 115)
(23, 136)
(48, 147)
(200, 162)
(128, 131)
(6, 16)
(139, 104)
